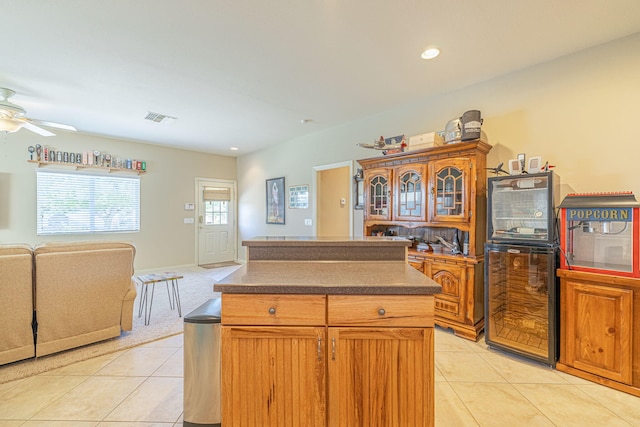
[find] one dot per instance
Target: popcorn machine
(599, 233)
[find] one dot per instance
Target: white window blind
(84, 203)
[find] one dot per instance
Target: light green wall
(163, 241)
(579, 112)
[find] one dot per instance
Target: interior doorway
(333, 204)
(216, 221)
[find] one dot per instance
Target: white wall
(163, 241)
(578, 112)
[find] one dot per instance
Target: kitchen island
(342, 334)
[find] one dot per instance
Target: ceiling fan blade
(52, 124)
(36, 129)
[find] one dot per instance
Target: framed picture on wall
(275, 200)
(299, 197)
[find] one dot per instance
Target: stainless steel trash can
(202, 366)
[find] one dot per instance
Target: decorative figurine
(39, 152)
(31, 149)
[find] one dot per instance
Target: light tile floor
(474, 386)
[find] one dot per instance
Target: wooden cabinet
(369, 363)
(460, 306)
(377, 186)
(273, 376)
(273, 360)
(438, 191)
(409, 198)
(396, 194)
(381, 360)
(600, 329)
(451, 193)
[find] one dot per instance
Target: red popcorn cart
(599, 233)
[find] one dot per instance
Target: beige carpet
(195, 288)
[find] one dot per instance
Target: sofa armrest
(126, 321)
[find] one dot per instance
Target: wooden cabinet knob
(381, 311)
(272, 310)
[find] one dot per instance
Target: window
(78, 203)
(216, 205)
(216, 212)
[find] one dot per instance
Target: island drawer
(273, 309)
(380, 310)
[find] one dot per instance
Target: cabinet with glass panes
(437, 198)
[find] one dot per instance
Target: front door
(216, 221)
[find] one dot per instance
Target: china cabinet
(436, 192)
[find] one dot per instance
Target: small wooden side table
(152, 279)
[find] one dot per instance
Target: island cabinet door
(273, 376)
(380, 377)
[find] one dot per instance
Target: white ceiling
(245, 73)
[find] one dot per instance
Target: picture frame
(299, 196)
(275, 196)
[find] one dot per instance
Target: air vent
(159, 118)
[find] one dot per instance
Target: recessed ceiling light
(430, 53)
(233, 148)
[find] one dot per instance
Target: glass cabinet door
(521, 208)
(410, 193)
(520, 306)
(449, 184)
(378, 203)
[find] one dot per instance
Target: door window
(216, 212)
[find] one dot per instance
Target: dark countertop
(325, 241)
(328, 277)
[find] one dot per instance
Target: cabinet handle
(333, 349)
(319, 349)
(272, 310)
(381, 311)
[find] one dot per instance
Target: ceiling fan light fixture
(10, 125)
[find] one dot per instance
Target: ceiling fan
(12, 117)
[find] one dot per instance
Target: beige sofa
(16, 303)
(75, 294)
(84, 293)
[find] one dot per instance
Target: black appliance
(521, 257)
